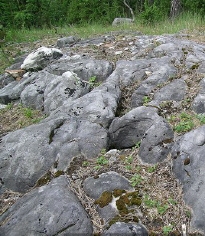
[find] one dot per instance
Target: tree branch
(131, 11)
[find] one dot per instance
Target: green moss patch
(104, 199)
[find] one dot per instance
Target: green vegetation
(136, 179)
(146, 100)
(167, 229)
(48, 35)
(93, 82)
(137, 145)
(104, 199)
(186, 121)
(27, 14)
(128, 162)
(152, 203)
(102, 160)
(152, 169)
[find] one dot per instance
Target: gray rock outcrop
(95, 99)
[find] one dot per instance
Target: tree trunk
(175, 8)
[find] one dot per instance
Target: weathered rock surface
(142, 123)
(67, 41)
(188, 165)
(52, 209)
(107, 182)
(120, 228)
(24, 161)
(101, 93)
(199, 101)
(40, 58)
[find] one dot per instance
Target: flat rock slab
(49, 210)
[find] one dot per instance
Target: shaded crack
(53, 131)
(64, 229)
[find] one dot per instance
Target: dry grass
(15, 116)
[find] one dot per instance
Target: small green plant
(184, 126)
(145, 100)
(103, 151)
(201, 118)
(102, 160)
(138, 168)
(92, 81)
(185, 123)
(152, 203)
(85, 163)
(129, 160)
(28, 112)
(167, 229)
(161, 209)
(137, 145)
(97, 167)
(128, 167)
(136, 180)
(149, 202)
(152, 169)
(188, 213)
(172, 201)
(9, 106)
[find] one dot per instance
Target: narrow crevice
(53, 131)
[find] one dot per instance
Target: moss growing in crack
(121, 206)
(118, 192)
(115, 219)
(44, 179)
(119, 218)
(58, 173)
(127, 200)
(104, 199)
(134, 199)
